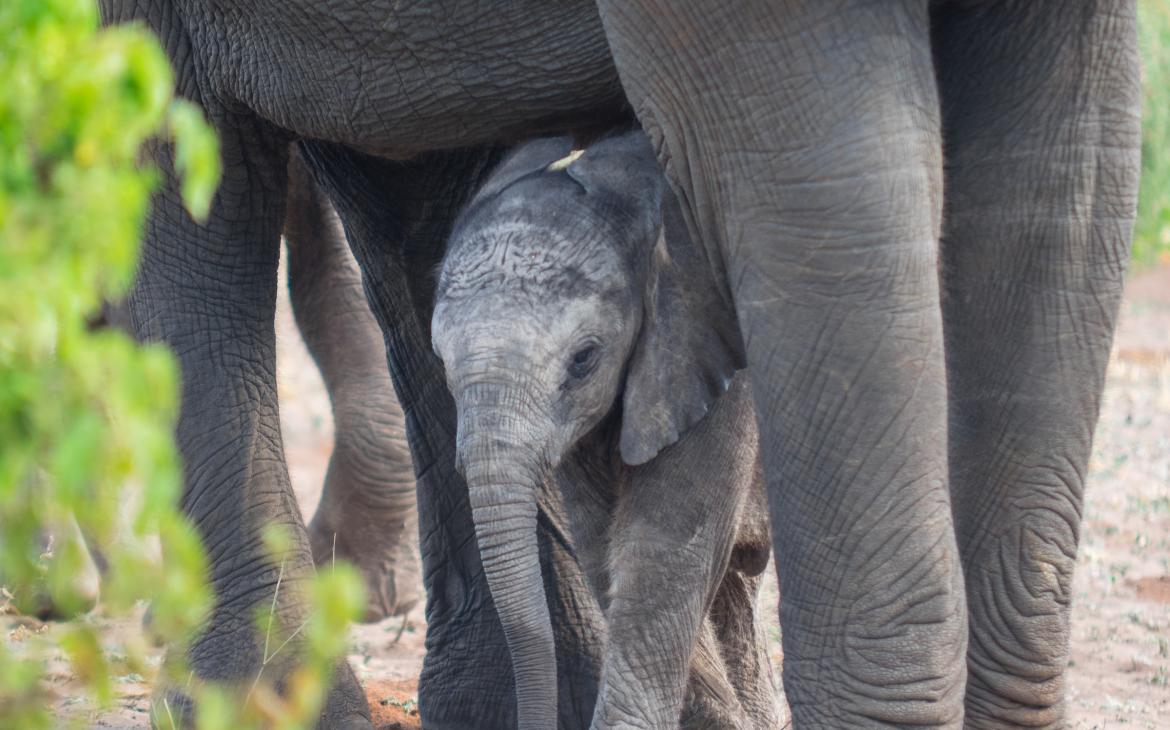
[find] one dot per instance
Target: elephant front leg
(209, 292)
(675, 524)
(804, 138)
(588, 488)
(1040, 106)
(367, 510)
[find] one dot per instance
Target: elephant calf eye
(582, 361)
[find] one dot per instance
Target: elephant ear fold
(624, 170)
(689, 348)
(531, 157)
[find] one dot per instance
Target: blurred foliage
(1152, 232)
(87, 417)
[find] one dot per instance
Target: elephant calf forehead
(531, 260)
(503, 324)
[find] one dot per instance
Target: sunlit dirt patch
(393, 704)
(1155, 589)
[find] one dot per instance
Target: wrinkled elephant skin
(924, 437)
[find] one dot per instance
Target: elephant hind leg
(65, 600)
(367, 510)
(743, 643)
(736, 617)
(753, 538)
(711, 701)
(1040, 116)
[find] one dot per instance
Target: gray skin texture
(921, 211)
(562, 297)
(367, 510)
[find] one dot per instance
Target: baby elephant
(585, 342)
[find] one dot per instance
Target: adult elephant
(921, 211)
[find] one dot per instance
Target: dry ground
(1119, 672)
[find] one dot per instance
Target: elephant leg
(736, 616)
(711, 701)
(397, 217)
(1042, 141)
(208, 291)
(588, 485)
(735, 621)
(366, 514)
(674, 527)
(817, 128)
(743, 643)
(83, 590)
(79, 593)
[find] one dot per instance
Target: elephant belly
(394, 79)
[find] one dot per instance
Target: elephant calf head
(569, 289)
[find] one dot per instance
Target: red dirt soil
(394, 704)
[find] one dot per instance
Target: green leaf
(196, 157)
(86, 418)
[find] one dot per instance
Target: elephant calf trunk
(504, 511)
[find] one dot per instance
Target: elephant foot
(462, 686)
(385, 557)
(704, 714)
(252, 648)
(345, 707)
(77, 594)
(458, 689)
(743, 644)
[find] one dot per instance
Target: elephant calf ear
(689, 348)
(528, 158)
